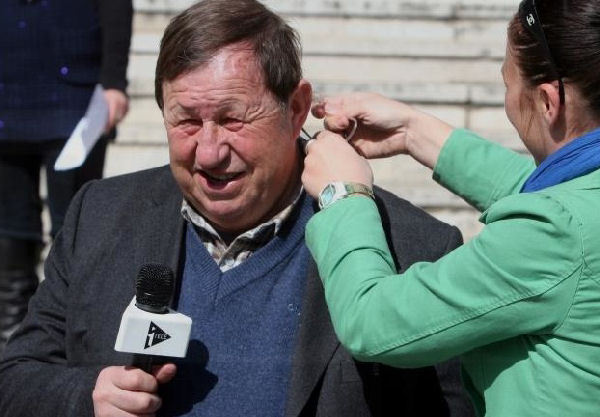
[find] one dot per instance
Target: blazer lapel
(159, 235)
(316, 344)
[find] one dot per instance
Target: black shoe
(18, 282)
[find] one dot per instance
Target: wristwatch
(337, 190)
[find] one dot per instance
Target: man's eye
(232, 123)
(189, 122)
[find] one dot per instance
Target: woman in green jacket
(521, 301)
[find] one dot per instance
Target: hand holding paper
(86, 133)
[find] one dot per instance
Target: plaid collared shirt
(244, 245)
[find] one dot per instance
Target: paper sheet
(86, 133)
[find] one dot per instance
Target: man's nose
(212, 149)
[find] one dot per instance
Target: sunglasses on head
(531, 21)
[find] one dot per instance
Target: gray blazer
(115, 225)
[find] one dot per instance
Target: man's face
(232, 147)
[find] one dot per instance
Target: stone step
(435, 9)
(367, 37)
(122, 159)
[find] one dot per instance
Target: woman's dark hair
(572, 30)
(197, 34)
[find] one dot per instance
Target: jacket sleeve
(518, 276)
(480, 171)
(115, 18)
(449, 372)
(35, 377)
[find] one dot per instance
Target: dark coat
(52, 54)
(116, 225)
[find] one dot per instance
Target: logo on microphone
(155, 336)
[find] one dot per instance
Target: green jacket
(520, 302)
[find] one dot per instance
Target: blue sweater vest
(244, 327)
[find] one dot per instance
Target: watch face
(326, 195)
(328, 192)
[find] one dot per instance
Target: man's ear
(299, 105)
(549, 102)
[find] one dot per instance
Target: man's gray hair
(197, 34)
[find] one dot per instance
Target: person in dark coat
(52, 55)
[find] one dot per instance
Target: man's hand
(129, 392)
(118, 106)
(330, 158)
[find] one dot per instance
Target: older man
(229, 218)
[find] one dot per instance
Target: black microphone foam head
(154, 288)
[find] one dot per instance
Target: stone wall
(443, 56)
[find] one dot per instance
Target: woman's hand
(381, 130)
(330, 158)
(385, 127)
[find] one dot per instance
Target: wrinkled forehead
(237, 60)
(230, 80)
(234, 65)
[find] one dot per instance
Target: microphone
(148, 326)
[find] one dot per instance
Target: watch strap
(338, 190)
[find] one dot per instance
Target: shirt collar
(262, 232)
